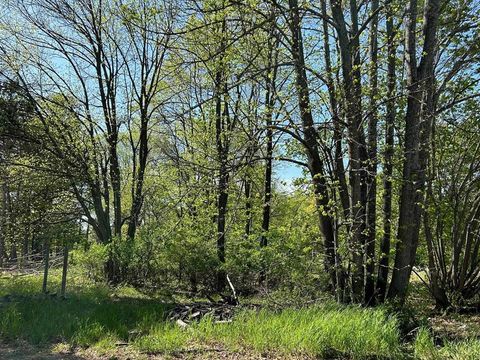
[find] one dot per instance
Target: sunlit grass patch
(321, 330)
(164, 338)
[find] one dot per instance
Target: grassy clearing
(87, 317)
(93, 317)
(90, 317)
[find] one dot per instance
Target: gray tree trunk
(383, 265)
(64, 270)
(416, 145)
(311, 145)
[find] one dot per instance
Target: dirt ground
(28, 352)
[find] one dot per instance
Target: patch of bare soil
(23, 351)
(456, 326)
(29, 352)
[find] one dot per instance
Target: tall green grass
(324, 331)
(90, 316)
(84, 318)
(94, 316)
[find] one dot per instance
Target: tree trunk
(416, 146)
(372, 162)
(3, 221)
(46, 260)
(267, 186)
(117, 194)
(248, 206)
(350, 60)
(26, 243)
(102, 228)
(221, 222)
(383, 265)
(338, 166)
(64, 270)
(222, 153)
(310, 142)
(269, 103)
(438, 292)
(137, 193)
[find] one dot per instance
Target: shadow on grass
(25, 352)
(91, 317)
(85, 318)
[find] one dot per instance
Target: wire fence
(30, 265)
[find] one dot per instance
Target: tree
(420, 79)
(384, 257)
(108, 54)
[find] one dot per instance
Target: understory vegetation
(102, 319)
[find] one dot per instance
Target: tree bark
(372, 162)
(437, 291)
(3, 221)
(223, 179)
(64, 271)
(270, 81)
(267, 186)
(137, 195)
(248, 206)
(416, 146)
(338, 166)
(310, 137)
(383, 265)
(350, 61)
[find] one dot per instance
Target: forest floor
(95, 322)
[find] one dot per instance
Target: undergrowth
(93, 316)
